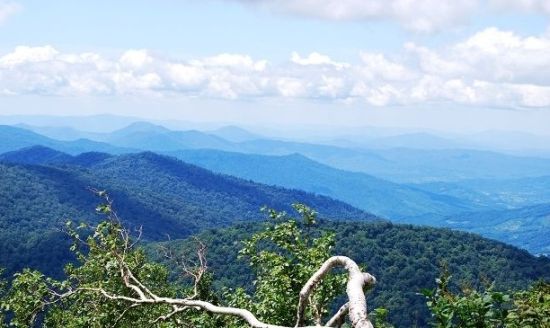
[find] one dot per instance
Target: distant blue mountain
(151, 137)
(526, 227)
(403, 165)
(235, 134)
(40, 155)
(60, 133)
(13, 138)
(420, 140)
(378, 196)
(510, 193)
(36, 155)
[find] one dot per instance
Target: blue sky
(451, 65)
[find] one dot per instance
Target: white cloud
(135, 59)
(24, 55)
(291, 87)
(491, 68)
(490, 55)
(7, 9)
(315, 58)
(377, 66)
(235, 61)
(416, 15)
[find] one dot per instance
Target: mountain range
(163, 195)
(429, 200)
(178, 184)
(404, 165)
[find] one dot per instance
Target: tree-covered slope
(511, 193)
(404, 259)
(162, 194)
(35, 155)
(382, 197)
(527, 227)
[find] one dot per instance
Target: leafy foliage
(403, 258)
(488, 308)
(37, 300)
(283, 258)
(96, 293)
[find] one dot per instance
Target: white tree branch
(354, 289)
(356, 306)
(338, 318)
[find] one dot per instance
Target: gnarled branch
(356, 296)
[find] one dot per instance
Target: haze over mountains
(415, 178)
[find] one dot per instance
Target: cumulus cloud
(316, 58)
(490, 55)
(417, 15)
(492, 68)
(7, 9)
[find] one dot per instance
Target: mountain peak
(35, 155)
(142, 126)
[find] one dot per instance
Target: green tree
(531, 307)
(472, 308)
(114, 284)
(284, 257)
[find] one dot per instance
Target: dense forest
(162, 194)
(113, 282)
(404, 258)
(166, 198)
(435, 187)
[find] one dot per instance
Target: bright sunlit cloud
(491, 68)
(424, 16)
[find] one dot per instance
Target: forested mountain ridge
(162, 194)
(403, 165)
(170, 197)
(403, 258)
(527, 227)
(435, 204)
(385, 198)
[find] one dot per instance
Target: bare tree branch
(339, 317)
(356, 296)
(355, 308)
(356, 305)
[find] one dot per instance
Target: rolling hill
(526, 227)
(162, 194)
(402, 165)
(147, 136)
(378, 196)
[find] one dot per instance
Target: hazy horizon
(456, 67)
